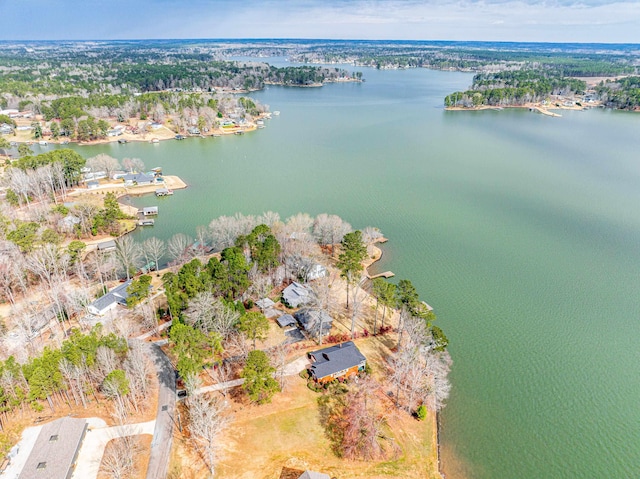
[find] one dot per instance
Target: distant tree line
(514, 88)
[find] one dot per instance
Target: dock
(164, 192)
(386, 274)
(146, 222)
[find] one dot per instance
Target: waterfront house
(340, 360)
(139, 179)
(104, 304)
(297, 294)
(192, 130)
(56, 449)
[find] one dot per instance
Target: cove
(522, 231)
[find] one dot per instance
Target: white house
(113, 298)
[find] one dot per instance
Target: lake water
(523, 231)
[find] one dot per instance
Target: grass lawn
(287, 433)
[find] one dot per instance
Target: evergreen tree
(354, 251)
(258, 377)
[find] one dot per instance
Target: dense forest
(514, 88)
(623, 94)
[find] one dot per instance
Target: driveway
(96, 439)
(20, 452)
(165, 416)
(291, 369)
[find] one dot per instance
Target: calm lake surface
(522, 231)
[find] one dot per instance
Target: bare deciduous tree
(268, 218)
(178, 246)
(154, 249)
(225, 230)
(370, 235)
(118, 460)
(221, 373)
(128, 254)
(418, 373)
(278, 358)
(210, 314)
(103, 162)
(330, 229)
(207, 420)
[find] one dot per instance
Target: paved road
(163, 432)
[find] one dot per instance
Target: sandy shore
(162, 133)
(544, 109)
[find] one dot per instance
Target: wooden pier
(386, 274)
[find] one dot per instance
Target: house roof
(311, 319)
(336, 358)
(265, 303)
(314, 475)
(286, 320)
(138, 177)
(296, 294)
(316, 271)
(107, 245)
(116, 295)
(55, 449)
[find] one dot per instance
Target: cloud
(509, 20)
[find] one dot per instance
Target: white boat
(276, 113)
(43, 143)
(155, 140)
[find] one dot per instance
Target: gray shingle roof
(311, 319)
(55, 450)
(314, 475)
(116, 295)
(138, 177)
(296, 294)
(265, 303)
(336, 358)
(286, 320)
(106, 245)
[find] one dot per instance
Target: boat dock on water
(164, 192)
(146, 222)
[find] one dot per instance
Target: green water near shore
(522, 231)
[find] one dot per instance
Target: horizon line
(314, 39)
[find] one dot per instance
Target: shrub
(421, 412)
(304, 374)
(314, 386)
(384, 330)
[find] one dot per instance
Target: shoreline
(154, 136)
(373, 258)
(544, 109)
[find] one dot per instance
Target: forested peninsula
(89, 91)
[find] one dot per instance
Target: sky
(591, 21)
